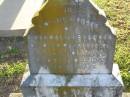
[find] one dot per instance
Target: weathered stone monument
(71, 50)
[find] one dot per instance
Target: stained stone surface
(70, 36)
(76, 92)
(87, 85)
(71, 52)
(20, 95)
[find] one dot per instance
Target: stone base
(20, 95)
(87, 85)
(15, 95)
(73, 92)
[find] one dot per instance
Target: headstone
(71, 52)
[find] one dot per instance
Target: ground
(12, 64)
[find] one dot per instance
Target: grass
(12, 66)
(12, 62)
(10, 69)
(118, 15)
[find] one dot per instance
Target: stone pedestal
(87, 85)
(71, 49)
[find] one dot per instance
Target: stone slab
(16, 95)
(12, 33)
(126, 95)
(20, 95)
(16, 14)
(87, 85)
(73, 92)
(89, 80)
(53, 80)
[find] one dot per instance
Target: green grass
(12, 62)
(12, 69)
(12, 65)
(118, 15)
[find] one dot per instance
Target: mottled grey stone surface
(77, 42)
(20, 95)
(87, 85)
(71, 50)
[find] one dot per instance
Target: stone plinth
(20, 95)
(74, 85)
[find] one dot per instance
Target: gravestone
(71, 50)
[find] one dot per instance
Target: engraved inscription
(72, 39)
